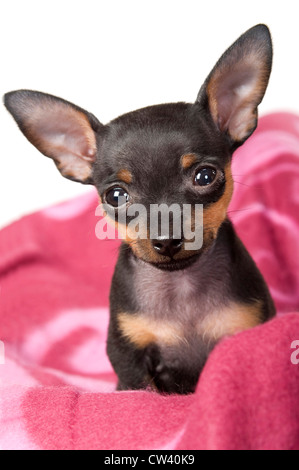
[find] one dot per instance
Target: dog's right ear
(58, 129)
(237, 83)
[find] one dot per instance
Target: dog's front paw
(169, 375)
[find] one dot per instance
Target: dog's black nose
(167, 246)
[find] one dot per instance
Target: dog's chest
(184, 312)
(170, 296)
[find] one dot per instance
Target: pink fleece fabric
(57, 387)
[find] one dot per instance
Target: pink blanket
(57, 386)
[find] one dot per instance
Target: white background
(113, 56)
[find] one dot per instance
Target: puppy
(170, 302)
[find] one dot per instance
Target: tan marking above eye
(125, 176)
(232, 319)
(143, 331)
(188, 160)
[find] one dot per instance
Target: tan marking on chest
(230, 320)
(142, 331)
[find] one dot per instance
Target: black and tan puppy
(169, 305)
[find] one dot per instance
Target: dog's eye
(117, 197)
(205, 176)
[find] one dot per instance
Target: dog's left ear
(237, 84)
(58, 129)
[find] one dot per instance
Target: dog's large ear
(237, 84)
(58, 129)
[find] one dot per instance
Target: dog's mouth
(176, 265)
(180, 261)
(183, 259)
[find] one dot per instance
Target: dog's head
(166, 154)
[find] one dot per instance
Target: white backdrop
(114, 56)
